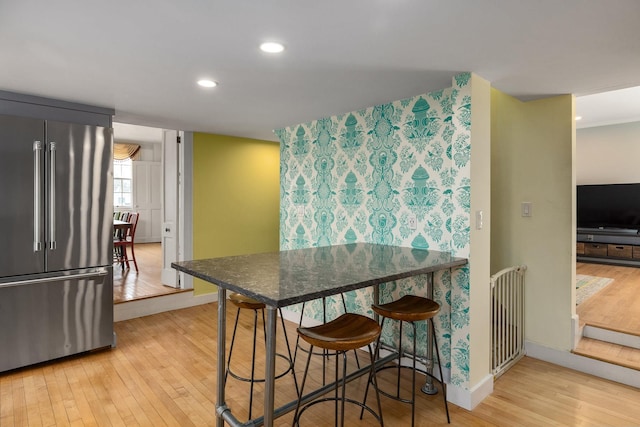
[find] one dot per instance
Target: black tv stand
(620, 246)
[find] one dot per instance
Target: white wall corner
(185, 250)
(469, 399)
(576, 329)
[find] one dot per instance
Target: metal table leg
(222, 332)
(270, 366)
(428, 386)
(376, 300)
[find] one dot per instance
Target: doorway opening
(147, 198)
(607, 129)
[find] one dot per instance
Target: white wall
(608, 154)
(532, 154)
(147, 192)
(150, 151)
(480, 293)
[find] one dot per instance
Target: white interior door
(147, 200)
(170, 211)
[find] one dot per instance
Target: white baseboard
(148, 306)
(587, 365)
(469, 399)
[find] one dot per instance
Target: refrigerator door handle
(97, 273)
(37, 196)
(52, 195)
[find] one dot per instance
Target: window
(122, 180)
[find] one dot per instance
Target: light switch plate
(479, 220)
(527, 209)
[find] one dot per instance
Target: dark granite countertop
(283, 278)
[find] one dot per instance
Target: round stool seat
(243, 301)
(323, 352)
(409, 308)
(347, 332)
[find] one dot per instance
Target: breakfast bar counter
(283, 278)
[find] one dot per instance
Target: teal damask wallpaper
(396, 173)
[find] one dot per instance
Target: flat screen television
(614, 206)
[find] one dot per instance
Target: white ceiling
(143, 57)
(607, 108)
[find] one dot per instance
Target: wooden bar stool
(324, 353)
(246, 303)
(410, 309)
(347, 332)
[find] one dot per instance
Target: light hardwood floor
(163, 374)
(617, 306)
(130, 285)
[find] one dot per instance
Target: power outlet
(413, 222)
(300, 213)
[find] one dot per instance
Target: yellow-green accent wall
(532, 146)
(236, 196)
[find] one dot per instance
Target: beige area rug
(587, 286)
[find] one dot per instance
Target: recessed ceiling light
(207, 83)
(271, 47)
(578, 117)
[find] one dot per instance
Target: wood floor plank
(43, 404)
(20, 417)
(79, 404)
(7, 408)
(51, 401)
(145, 391)
(137, 395)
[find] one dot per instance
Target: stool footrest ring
(261, 380)
(296, 422)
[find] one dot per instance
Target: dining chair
(121, 244)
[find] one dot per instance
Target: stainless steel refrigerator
(56, 219)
